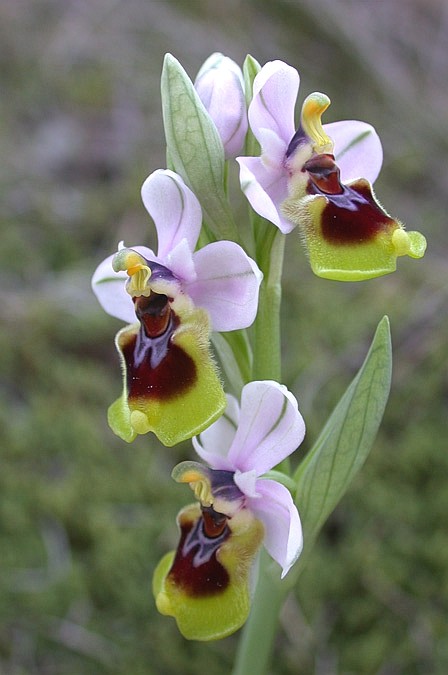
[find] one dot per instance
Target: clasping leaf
(194, 147)
(344, 443)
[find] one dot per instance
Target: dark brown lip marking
(195, 568)
(351, 215)
(155, 367)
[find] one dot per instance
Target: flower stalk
(257, 639)
(270, 246)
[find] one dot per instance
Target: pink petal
(109, 288)
(180, 262)
(227, 285)
(265, 189)
(174, 208)
(274, 97)
(358, 149)
(213, 444)
(270, 428)
(274, 150)
(283, 530)
(247, 482)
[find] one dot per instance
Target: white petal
(174, 208)
(270, 428)
(266, 189)
(109, 288)
(283, 531)
(274, 150)
(214, 443)
(227, 284)
(275, 92)
(247, 482)
(180, 262)
(357, 148)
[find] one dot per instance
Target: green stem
(258, 636)
(266, 345)
(257, 640)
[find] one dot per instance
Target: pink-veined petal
(110, 289)
(247, 482)
(265, 190)
(213, 444)
(270, 428)
(174, 208)
(283, 531)
(357, 148)
(275, 92)
(274, 151)
(180, 262)
(227, 284)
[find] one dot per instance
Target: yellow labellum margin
(170, 382)
(206, 584)
(351, 239)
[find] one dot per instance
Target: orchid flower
(173, 299)
(205, 584)
(320, 178)
(220, 86)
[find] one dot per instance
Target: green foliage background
(84, 517)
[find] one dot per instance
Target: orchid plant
(213, 291)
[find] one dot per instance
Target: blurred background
(84, 517)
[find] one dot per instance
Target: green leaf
(250, 69)
(342, 448)
(235, 355)
(194, 147)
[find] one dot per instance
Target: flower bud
(220, 86)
